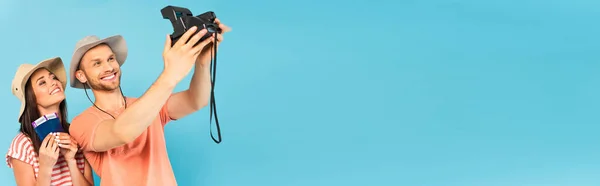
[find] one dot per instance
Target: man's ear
(80, 76)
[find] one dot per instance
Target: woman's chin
(57, 98)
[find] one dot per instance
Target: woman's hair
(31, 113)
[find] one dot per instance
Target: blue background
(419, 93)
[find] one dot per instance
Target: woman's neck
(49, 110)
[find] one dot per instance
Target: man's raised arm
(197, 95)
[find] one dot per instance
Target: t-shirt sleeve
(83, 128)
(164, 113)
(20, 149)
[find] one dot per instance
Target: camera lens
(211, 29)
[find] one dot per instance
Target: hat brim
(116, 43)
(54, 65)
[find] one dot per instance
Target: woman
(53, 160)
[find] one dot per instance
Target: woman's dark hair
(31, 113)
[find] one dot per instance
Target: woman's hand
(48, 152)
(68, 146)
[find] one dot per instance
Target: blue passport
(47, 124)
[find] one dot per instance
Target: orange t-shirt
(143, 161)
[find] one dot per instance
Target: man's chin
(106, 86)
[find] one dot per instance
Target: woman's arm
(78, 178)
(88, 173)
(21, 159)
(69, 150)
(25, 176)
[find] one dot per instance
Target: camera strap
(213, 106)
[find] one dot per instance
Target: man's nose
(107, 67)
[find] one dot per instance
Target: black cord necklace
(88, 96)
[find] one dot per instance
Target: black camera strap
(213, 106)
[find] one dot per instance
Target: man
(123, 137)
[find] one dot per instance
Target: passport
(47, 124)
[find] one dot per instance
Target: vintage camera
(182, 20)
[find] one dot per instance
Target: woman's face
(46, 87)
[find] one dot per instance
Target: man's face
(99, 69)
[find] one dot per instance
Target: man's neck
(109, 100)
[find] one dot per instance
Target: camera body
(182, 19)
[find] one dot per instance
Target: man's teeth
(109, 77)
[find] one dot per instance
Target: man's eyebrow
(99, 59)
